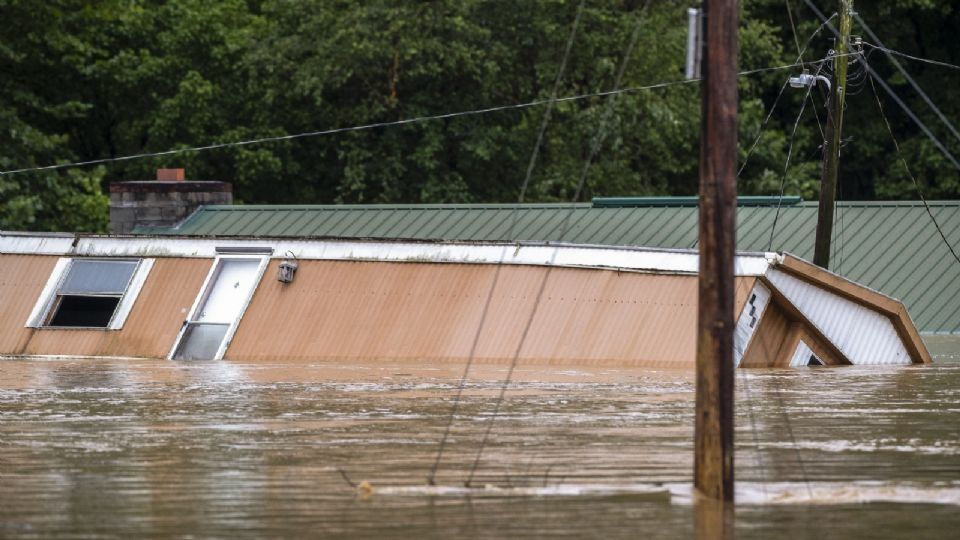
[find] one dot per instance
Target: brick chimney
(164, 202)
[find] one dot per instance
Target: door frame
(264, 260)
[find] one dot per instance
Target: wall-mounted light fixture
(287, 269)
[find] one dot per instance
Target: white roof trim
(39, 244)
(567, 255)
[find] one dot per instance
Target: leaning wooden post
(713, 461)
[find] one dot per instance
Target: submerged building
(545, 284)
(266, 300)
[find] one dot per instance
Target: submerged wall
(422, 312)
(149, 331)
(425, 303)
(432, 312)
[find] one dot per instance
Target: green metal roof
(891, 247)
(636, 202)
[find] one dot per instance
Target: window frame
(51, 297)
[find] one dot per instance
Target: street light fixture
(805, 79)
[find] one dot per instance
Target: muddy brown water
(150, 448)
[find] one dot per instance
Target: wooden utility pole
(713, 438)
(831, 146)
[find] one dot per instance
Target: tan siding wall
(431, 312)
(776, 340)
(799, 331)
(149, 331)
(402, 311)
(22, 278)
(764, 349)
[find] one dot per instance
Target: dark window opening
(814, 361)
(90, 292)
(84, 311)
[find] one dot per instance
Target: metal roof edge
(37, 234)
(787, 255)
(430, 206)
(523, 253)
(884, 204)
(647, 202)
(893, 308)
(691, 201)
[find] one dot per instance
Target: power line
(786, 165)
(375, 125)
(773, 107)
(906, 167)
(881, 47)
(796, 40)
(553, 101)
(598, 140)
(910, 79)
(431, 477)
(893, 95)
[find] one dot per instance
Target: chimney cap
(170, 175)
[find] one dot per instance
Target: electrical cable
(786, 165)
(753, 420)
(601, 134)
(906, 167)
(796, 40)
(431, 478)
(375, 125)
(553, 101)
(913, 83)
(903, 54)
(793, 27)
(756, 141)
(893, 95)
(903, 71)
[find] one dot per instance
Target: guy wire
(543, 284)
(906, 168)
(786, 165)
(431, 478)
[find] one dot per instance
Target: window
(90, 293)
(803, 356)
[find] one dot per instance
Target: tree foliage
(91, 79)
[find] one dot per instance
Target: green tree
(35, 41)
(92, 79)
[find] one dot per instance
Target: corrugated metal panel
(431, 312)
(866, 337)
(892, 247)
(22, 279)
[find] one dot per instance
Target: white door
(228, 290)
(222, 303)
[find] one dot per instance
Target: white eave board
(564, 255)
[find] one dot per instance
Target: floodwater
(137, 448)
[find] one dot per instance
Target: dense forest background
(89, 79)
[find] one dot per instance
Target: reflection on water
(155, 448)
